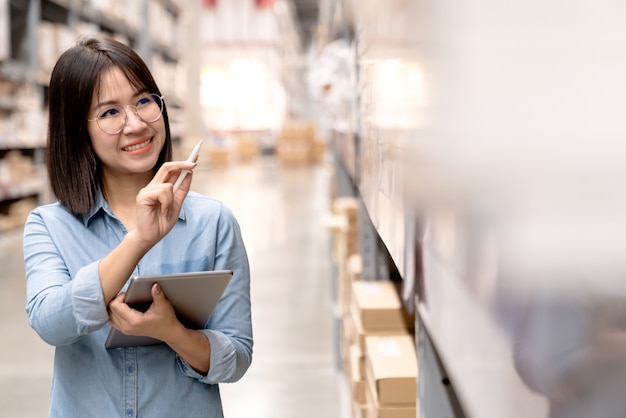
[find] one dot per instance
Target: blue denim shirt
(65, 307)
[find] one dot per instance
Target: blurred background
(431, 194)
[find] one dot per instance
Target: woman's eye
(144, 101)
(110, 113)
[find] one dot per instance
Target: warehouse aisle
(293, 371)
(294, 367)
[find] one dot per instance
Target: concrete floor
(294, 370)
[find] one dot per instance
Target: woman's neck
(121, 194)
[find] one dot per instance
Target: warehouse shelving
(448, 174)
(373, 145)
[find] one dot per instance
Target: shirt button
(131, 369)
(129, 412)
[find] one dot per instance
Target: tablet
(194, 297)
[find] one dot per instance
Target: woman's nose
(133, 121)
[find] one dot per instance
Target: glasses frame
(97, 118)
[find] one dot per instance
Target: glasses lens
(150, 108)
(112, 119)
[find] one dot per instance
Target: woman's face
(135, 149)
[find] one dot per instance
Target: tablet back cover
(193, 295)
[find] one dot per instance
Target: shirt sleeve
(221, 348)
(60, 308)
(230, 328)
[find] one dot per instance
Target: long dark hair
(74, 170)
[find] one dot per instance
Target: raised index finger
(169, 171)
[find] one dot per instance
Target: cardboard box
(349, 331)
(375, 410)
(346, 276)
(357, 374)
(292, 155)
(219, 156)
(348, 206)
(347, 234)
(359, 334)
(377, 305)
(347, 241)
(349, 272)
(294, 143)
(47, 52)
(391, 370)
(298, 131)
(18, 212)
(354, 267)
(357, 358)
(247, 148)
(359, 410)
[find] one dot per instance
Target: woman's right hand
(158, 206)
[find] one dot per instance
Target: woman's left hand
(159, 321)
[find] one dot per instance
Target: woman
(117, 215)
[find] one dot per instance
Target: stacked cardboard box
(15, 214)
(52, 40)
(376, 307)
(15, 167)
(391, 376)
(375, 312)
(247, 148)
(352, 332)
(219, 156)
(347, 237)
(377, 344)
(293, 145)
(358, 385)
(298, 144)
(346, 246)
(344, 224)
(22, 123)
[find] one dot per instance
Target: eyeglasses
(111, 120)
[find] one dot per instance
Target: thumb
(157, 293)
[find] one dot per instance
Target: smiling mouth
(137, 146)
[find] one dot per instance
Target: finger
(183, 189)
(117, 300)
(165, 198)
(157, 293)
(115, 306)
(157, 197)
(169, 171)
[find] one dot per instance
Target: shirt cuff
(223, 358)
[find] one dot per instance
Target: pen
(192, 158)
